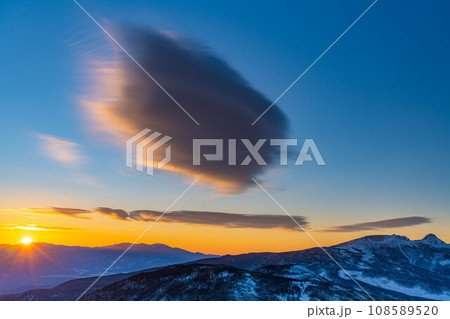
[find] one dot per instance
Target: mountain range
(386, 267)
(42, 265)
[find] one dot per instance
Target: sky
(376, 105)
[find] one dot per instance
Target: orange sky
(100, 231)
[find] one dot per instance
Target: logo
(309, 148)
(142, 148)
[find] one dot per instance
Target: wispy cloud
(228, 220)
(118, 214)
(220, 219)
(124, 101)
(186, 217)
(381, 224)
(35, 227)
(71, 212)
(60, 150)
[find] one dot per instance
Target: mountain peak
(433, 240)
(374, 241)
(430, 236)
(394, 240)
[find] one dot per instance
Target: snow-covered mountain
(219, 282)
(41, 265)
(385, 266)
(388, 267)
(432, 240)
(371, 242)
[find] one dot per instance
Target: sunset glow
(26, 240)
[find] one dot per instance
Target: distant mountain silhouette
(41, 265)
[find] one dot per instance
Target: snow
(432, 240)
(372, 242)
(250, 284)
(385, 283)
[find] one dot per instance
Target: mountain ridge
(398, 240)
(374, 261)
(55, 264)
(389, 267)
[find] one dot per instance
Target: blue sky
(377, 104)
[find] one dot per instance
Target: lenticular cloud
(124, 101)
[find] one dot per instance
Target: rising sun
(27, 240)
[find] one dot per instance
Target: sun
(27, 240)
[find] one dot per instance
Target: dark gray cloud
(118, 214)
(226, 220)
(126, 101)
(381, 224)
(219, 219)
(74, 212)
